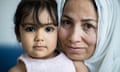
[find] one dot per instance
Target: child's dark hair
(25, 7)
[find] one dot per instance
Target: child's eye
(49, 29)
(29, 29)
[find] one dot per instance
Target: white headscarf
(107, 55)
(60, 4)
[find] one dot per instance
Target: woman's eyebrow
(67, 17)
(89, 19)
(83, 20)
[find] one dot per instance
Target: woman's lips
(76, 49)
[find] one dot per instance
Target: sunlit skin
(78, 30)
(39, 41)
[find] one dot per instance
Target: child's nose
(39, 36)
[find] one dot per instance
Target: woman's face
(78, 30)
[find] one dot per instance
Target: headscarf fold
(60, 4)
(107, 54)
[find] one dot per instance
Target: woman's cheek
(91, 38)
(62, 33)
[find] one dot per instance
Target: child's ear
(19, 39)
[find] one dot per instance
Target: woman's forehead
(78, 4)
(80, 8)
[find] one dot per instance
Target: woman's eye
(66, 23)
(29, 29)
(49, 29)
(88, 26)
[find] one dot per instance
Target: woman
(79, 31)
(104, 56)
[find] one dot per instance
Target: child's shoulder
(15, 69)
(18, 68)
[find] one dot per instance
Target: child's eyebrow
(27, 24)
(48, 23)
(33, 24)
(24, 24)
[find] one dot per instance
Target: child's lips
(39, 47)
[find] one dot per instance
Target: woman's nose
(76, 34)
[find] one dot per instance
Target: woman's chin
(76, 57)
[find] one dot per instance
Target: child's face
(39, 42)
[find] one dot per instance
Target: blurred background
(7, 10)
(10, 49)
